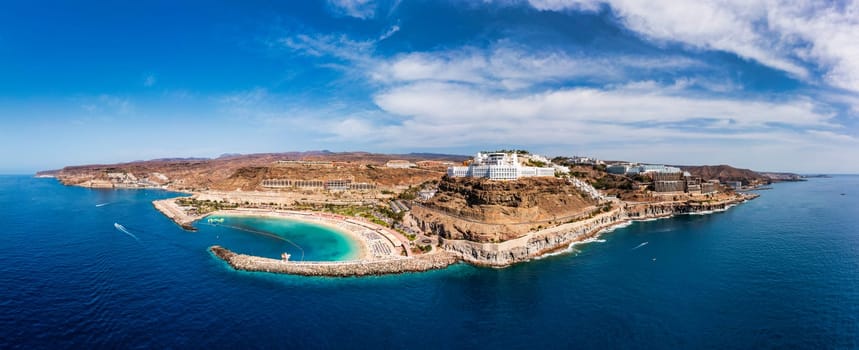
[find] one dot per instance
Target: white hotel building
(498, 166)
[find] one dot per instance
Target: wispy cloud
(513, 68)
(362, 9)
(791, 36)
(336, 46)
(390, 32)
(507, 93)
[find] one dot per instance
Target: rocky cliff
(539, 243)
(481, 210)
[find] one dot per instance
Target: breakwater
(172, 210)
(335, 268)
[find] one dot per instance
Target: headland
(412, 214)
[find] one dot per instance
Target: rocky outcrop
(487, 211)
(665, 209)
(335, 268)
(532, 245)
(539, 243)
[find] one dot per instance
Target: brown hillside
(726, 173)
(483, 210)
(244, 172)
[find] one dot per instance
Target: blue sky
(768, 85)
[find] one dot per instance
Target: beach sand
(338, 226)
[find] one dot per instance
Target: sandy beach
(372, 244)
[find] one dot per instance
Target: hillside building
(498, 166)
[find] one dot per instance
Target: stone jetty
(420, 263)
(172, 210)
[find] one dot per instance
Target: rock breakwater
(335, 268)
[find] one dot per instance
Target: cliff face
(539, 243)
(533, 245)
(482, 210)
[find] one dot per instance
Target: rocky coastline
(531, 246)
(550, 240)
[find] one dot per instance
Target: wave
(571, 248)
(124, 230)
(640, 245)
(708, 212)
(615, 227)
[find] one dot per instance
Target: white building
(498, 166)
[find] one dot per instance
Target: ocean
(781, 271)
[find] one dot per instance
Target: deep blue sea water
(781, 271)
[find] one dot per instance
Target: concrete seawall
(335, 268)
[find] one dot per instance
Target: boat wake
(102, 204)
(125, 231)
(640, 245)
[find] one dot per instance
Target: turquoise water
(270, 237)
(781, 271)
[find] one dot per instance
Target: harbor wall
(335, 268)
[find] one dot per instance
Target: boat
(285, 256)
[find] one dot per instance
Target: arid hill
(483, 210)
(726, 173)
(245, 172)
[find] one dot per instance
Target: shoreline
(559, 238)
(532, 246)
(360, 243)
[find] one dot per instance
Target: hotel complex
(498, 166)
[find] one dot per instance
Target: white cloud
(362, 9)
(569, 109)
(507, 95)
(337, 46)
(513, 68)
(786, 35)
(646, 122)
(391, 31)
